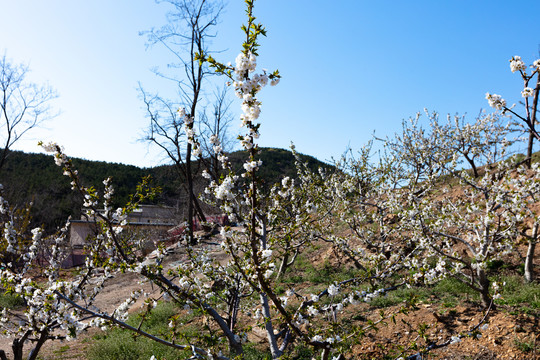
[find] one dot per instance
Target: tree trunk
(473, 166)
(3, 155)
(325, 354)
(35, 351)
(189, 178)
(236, 349)
(530, 149)
(197, 208)
(17, 347)
(484, 287)
(272, 341)
(529, 272)
(282, 267)
(196, 205)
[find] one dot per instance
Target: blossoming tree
(390, 220)
(529, 122)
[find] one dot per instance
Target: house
(153, 220)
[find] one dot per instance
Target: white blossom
(495, 101)
(333, 290)
(527, 92)
(516, 64)
(266, 253)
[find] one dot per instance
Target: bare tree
(188, 29)
(215, 127)
(23, 105)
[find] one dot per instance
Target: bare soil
(498, 341)
(501, 340)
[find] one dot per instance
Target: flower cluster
(245, 63)
(527, 92)
(496, 101)
(246, 88)
(121, 311)
(190, 132)
(516, 64)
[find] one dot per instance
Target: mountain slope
(35, 178)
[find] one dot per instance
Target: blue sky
(350, 68)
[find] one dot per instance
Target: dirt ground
(499, 341)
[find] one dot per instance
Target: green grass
(527, 345)
(329, 273)
(448, 292)
(398, 296)
(253, 353)
(453, 288)
(304, 271)
(525, 297)
(11, 301)
(117, 344)
(297, 272)
(62, 349)
(300, 352)
(520, 296)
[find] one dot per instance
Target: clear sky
(350, 67)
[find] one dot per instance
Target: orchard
(442, 202)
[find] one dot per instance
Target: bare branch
(23, 105)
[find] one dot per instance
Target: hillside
(35, 178)
(444, 318)
(425, 315)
